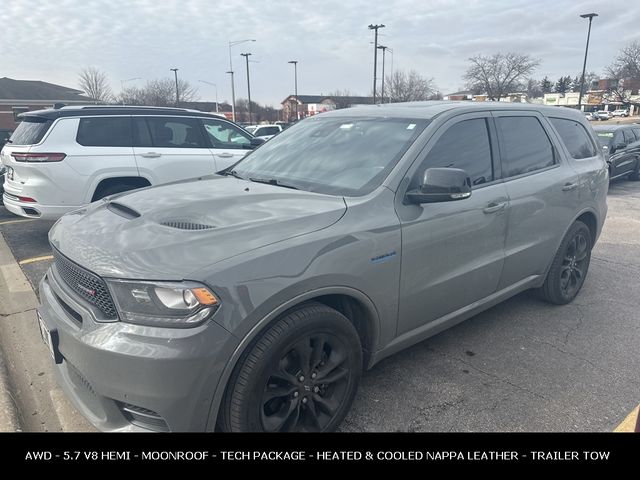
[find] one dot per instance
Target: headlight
(163, 304)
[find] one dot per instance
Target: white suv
(265, 131)
(60, 159)
(621, 112)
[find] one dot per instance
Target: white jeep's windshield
(348, 156)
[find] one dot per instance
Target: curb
(9, 416)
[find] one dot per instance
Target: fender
(265, 321)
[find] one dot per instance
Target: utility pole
(175, 71)
(233, 88)
(586, 50)
(375, 57)
(246, 56)
(384, 49)
(216, 87)
(295, 70)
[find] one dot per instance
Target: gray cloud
(52, 40)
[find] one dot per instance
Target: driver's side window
(225, 135)
(464, 145)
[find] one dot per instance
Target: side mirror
(619, 146)
(441, 185)
(256, 142)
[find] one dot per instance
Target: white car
(621, 112)
(590, 116)
(58, 160)
(266, 131)
(603, 115)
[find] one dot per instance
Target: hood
(170, 231)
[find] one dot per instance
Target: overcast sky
(52, 40)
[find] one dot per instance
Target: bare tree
(342, 98)
(95, 83)
(627, 63)
(403, 86)
(500, 73)
(159, 93)
(533, 88)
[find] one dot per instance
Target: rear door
(621, 159)
(227, 142)
(543, 190)
(171, 148)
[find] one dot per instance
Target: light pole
(233, 88)
(384, 49)
(122, 82)
(246, 56)
(295, 73)
(216, 87)
(375, 57)
(586, 50)
(175, 71)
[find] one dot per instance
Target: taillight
(38, 157)
(27, 199)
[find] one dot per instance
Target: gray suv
(252, 300)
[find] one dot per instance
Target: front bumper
(125, 377)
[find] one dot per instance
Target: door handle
(150, 155)
(494, 207)
(569, 186)
(225, 155)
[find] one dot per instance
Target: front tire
(570, 266)
(301, 374)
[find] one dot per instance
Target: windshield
(348, 156)
(604, 137)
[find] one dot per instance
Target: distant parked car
(61, 159)
(590, 116)
(621, 146)
(603, 115)
(621, 112)
(267, 131)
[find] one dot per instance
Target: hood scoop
(185, 224)
(123, 210)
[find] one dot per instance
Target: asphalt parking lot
(521, 366)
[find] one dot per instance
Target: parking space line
(629, 424)
(35, 259)
(19, 220)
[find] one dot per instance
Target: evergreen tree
(546, 85)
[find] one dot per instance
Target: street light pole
(384, 49)
(175, 71)
(216, 87)
(246, 56)
(586, 50)
(233, 88)
(122, 82)
(295, 73)
(375, 57)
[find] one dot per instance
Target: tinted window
(465, 145)
(224, 135)
(605, 138)
(266, 131)
(105, 132)
(629, 137)
(30, 131)
(575, 138)
(170, 132)
(525, 146)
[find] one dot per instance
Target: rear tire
(301, 374)
(570, 266)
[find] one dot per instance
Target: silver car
(252, 300)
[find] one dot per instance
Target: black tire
(112, 190)
(272, 390)
(570, 266)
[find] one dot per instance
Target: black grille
(143, 417)
(186, 225)
(89, 286)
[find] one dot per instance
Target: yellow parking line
(629, 423)
(21, 220)
(35, 259)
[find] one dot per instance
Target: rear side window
(173, 132)
(30, 131)
(629, 137)
(525, 145)
(464, 145)
(575, 138)
(104, 132)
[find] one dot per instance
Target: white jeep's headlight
(163, 304)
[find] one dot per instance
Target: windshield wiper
(233, 173)
(273, 181)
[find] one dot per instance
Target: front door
(228, 143)
(453, 252)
